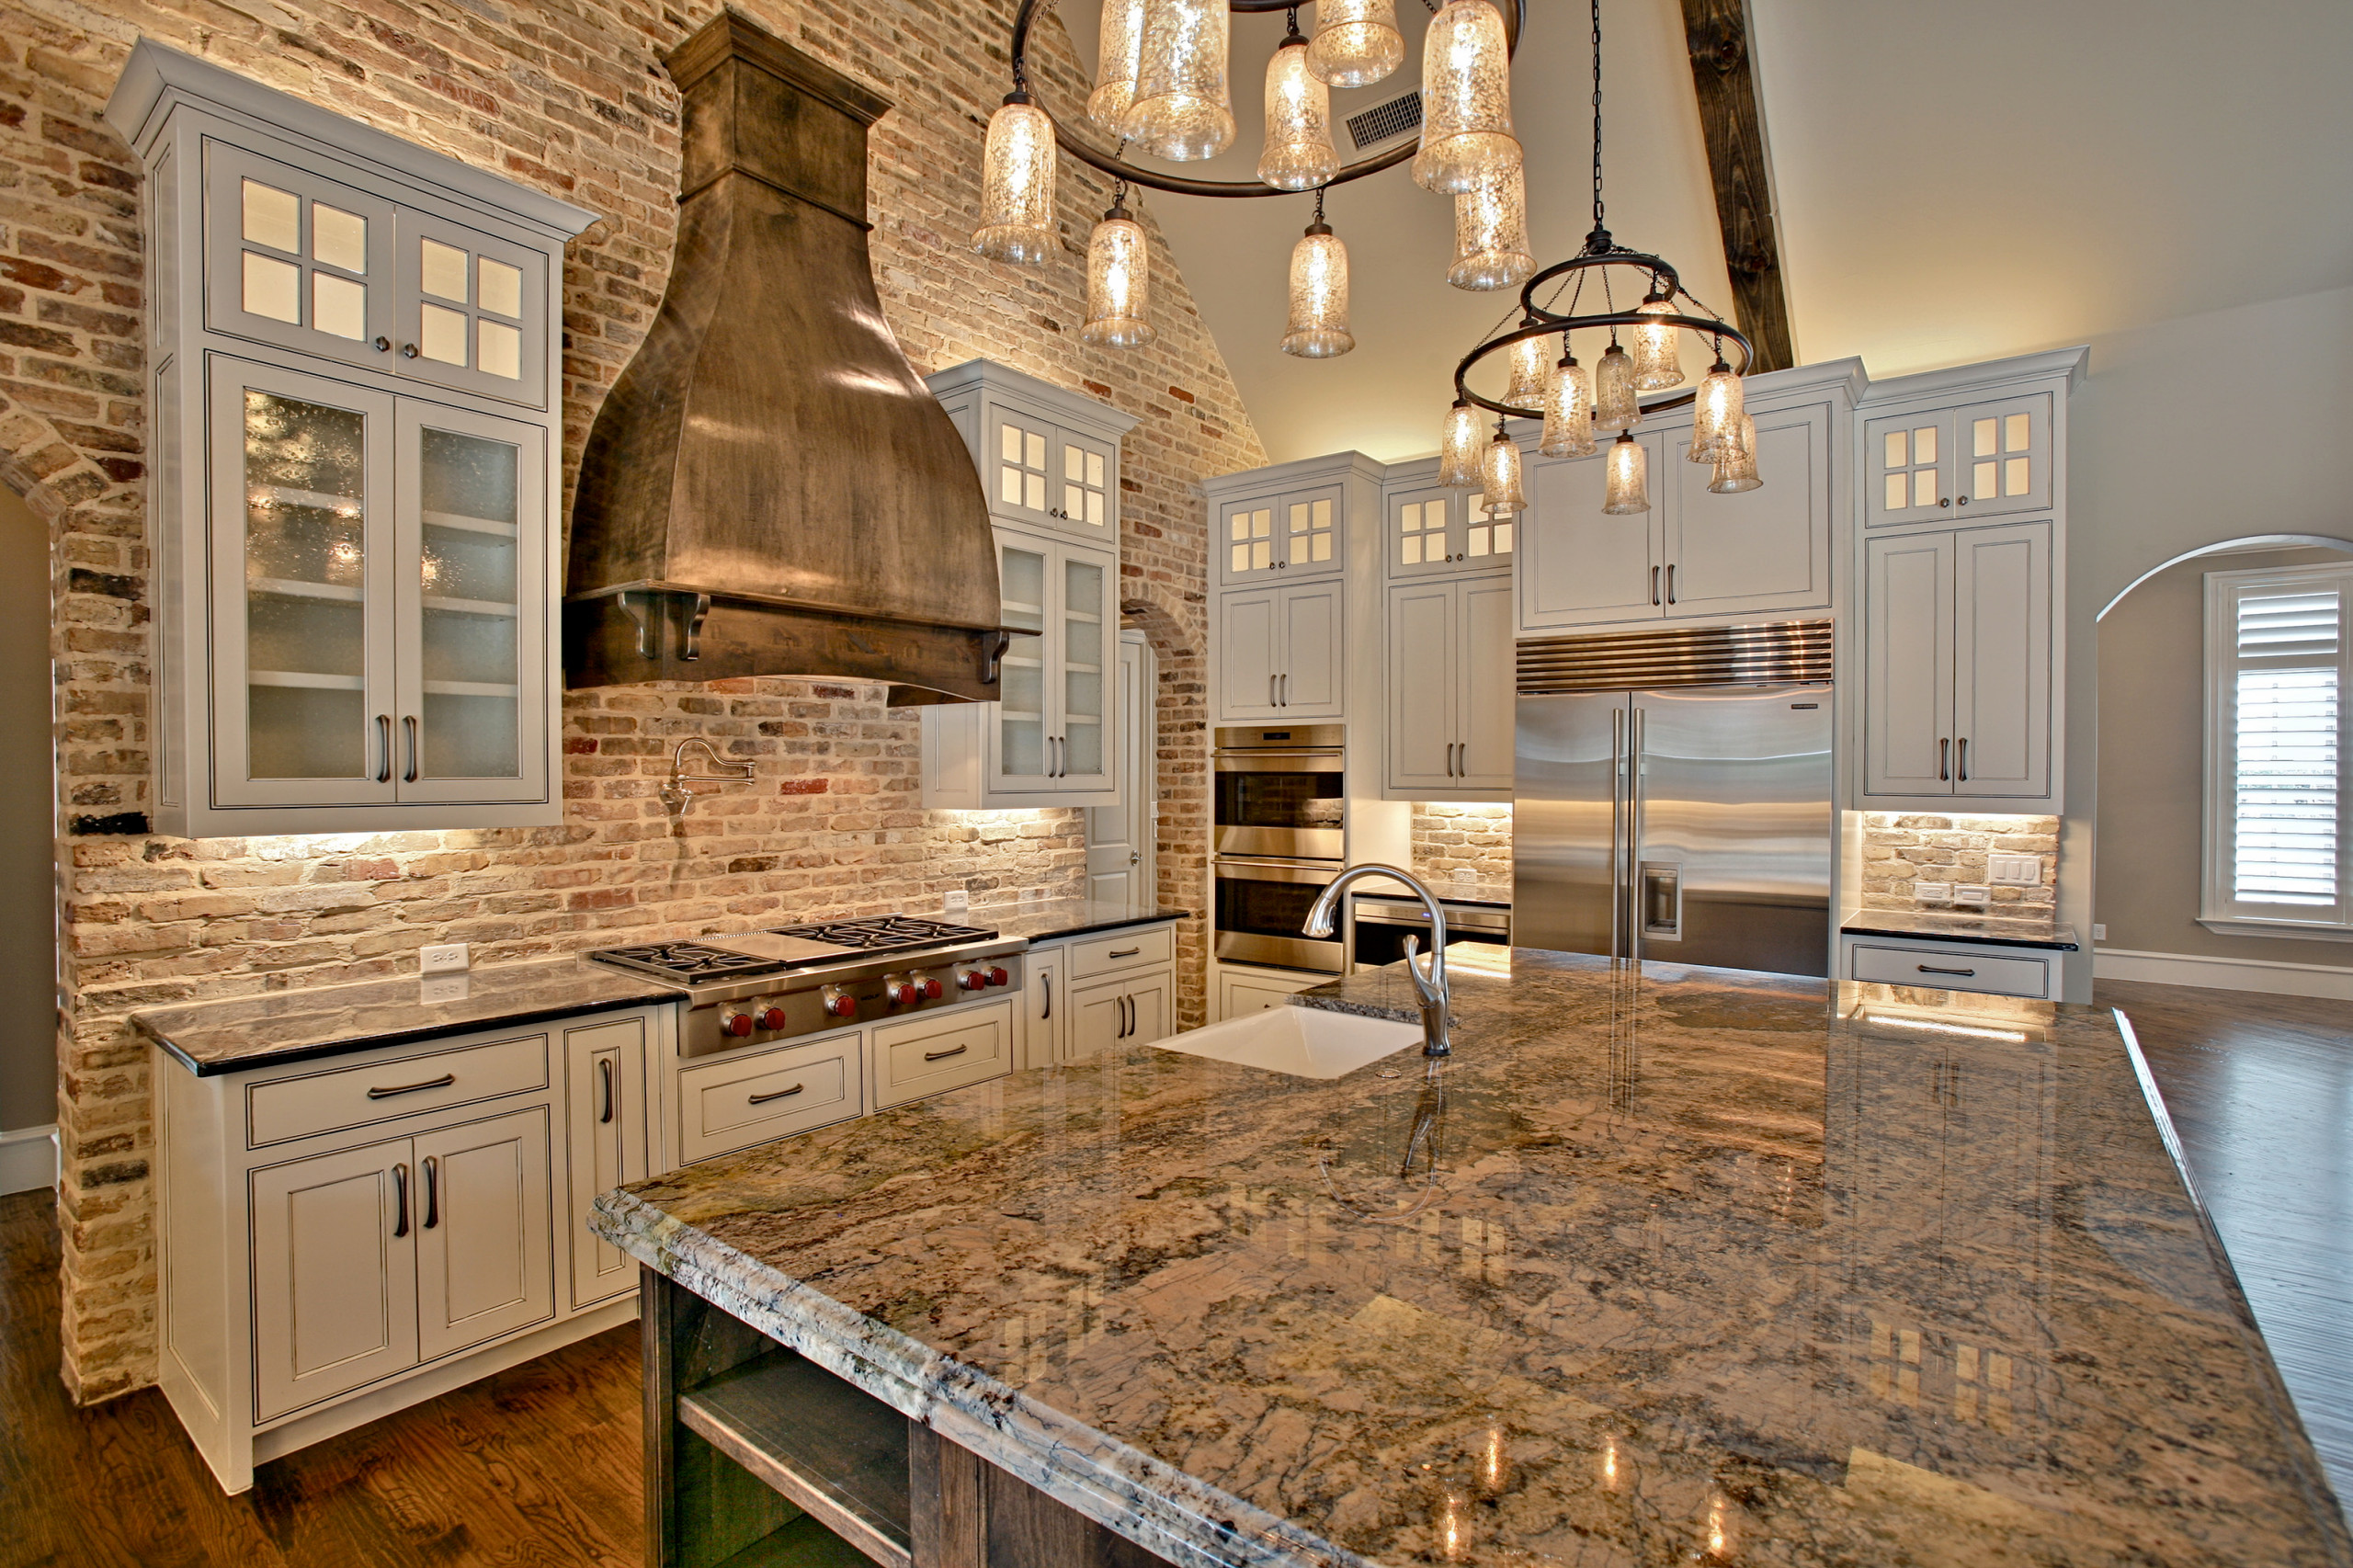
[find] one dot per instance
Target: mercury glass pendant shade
(1499, 477)
(1299, 154)
(1120, 42)
(1017, 184)
(1357, 42)
(1614, 404)
(1458, 454)
(1568, 411)
(1658, 358)
(1715, 413)
(1119, 282)
(1531, 372)
(1466, 100)
(1319, 295)
(1626, 489)
(1737, 469)
(1183, 110)
(1491, 235)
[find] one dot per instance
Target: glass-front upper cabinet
(1440, 529)
(1052, 721)
(1295, 534)
(1090, 628)
(1021, 716)
(1953, 466)
(1040, 472)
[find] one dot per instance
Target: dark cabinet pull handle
(1960, 759)
(1670, 582)
(1124, 952)
(1944, 750)
(400, 1198)
(443, 1082)
(781, 1094)
(1931, 969)
(384, 738)
(1046, 979)
(409, 722)
(432, 1191)
(944, 1055)
(605, 1081)
(1653, 585)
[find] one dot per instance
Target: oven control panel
(815, 1006)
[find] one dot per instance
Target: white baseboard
(2224, 974)
(28, 1158)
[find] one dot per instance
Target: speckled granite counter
(1715, 1267)
(1052, 919)
(1993, 930)
(239, 1032)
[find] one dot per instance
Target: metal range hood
(769, 490)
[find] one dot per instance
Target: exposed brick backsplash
(570, 97)
(1455, 843)
(1904, 847)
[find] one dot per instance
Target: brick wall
(1460, 847)
(567, 96)
(1904, 847)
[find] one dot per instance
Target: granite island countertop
(1715, 1267)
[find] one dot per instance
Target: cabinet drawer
(1953, 971)
(738, 1101)
(1121, 950)
(284, 1109)
(926, 1056)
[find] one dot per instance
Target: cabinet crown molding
(1982, 375)
(1044, 397)
(1283, 476)
(159, 78)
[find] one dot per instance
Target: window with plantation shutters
(2277, 666)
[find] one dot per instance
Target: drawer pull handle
(1931, 969)
(443, 1082)
(400, 1196)
(432, 1191)
(944, 1055)
(781, 1094)
(1124, 952)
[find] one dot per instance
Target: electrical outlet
(1932, 893)
(443, 958)
(444, 987)
(956, 904)
(2024, 870)
(1972, 892)
(2099, 933)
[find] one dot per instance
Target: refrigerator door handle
(1633, 847)
(1617, 826)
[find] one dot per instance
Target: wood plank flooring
(539, 1467)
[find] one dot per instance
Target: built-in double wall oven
(1278, 837)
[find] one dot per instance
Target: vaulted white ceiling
(1954, 181)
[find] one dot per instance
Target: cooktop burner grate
(689, 962)
(883, 932)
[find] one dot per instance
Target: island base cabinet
(1114, 1014)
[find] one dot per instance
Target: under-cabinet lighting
(2013, 1036)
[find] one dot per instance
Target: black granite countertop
(1053, 919)
(271, 1027)
(1992, 930)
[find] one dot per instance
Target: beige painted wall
(28, 842)
(2151, 723)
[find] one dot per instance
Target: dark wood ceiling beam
(1731, 121)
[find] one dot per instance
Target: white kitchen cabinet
(483, 1234)
(1431, 530)
(353, 580)
(1958, 665)
(1049, 457)
(609, 1141)
(1121, 1012)
(1241, 990)
(1450, 689)
(1111, 990)
(334, 1274)
(1282, 652)
(1045, 1007)
(1941, 966)
(1959, 464)
(929, 1056)
(1291, 534)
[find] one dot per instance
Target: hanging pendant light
(1615, 405)
(1299, 154)
(1466, 100)
(1626, 489)
(1119, 280)
(1736, 469)
(1458, 458)
(1357, 42)
(1531, 371)
(1183, 110)
(1319, 293)
(1121, 41)
(1017, 184)
(1499, 475)
(1658, 357)
(1715, 413)
(1491, 235)
(1568, 411)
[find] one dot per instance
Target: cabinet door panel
(1152, 1007)
(1313, 623)
(1023, 715)
(2004, 458)
(1248, 640)
(472, 607)
(1421, 669)
(1086, 479)
(1579, 567)
(1486, 699)
(1313, 529)
(298, 260)
(1099, 1020)
(304, 562)
(1762, 550)
(484, 1232)
(1018, 466)
(334, 1275)
(1249, 548)
(1907, 666)
(473, 310)
(1907, 469)
(607, 1131)
(1045, 1009)
(1419, 536)
(2002, 662)
(1088, 617)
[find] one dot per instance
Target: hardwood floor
(536, 1466)
(2260, 1088)
(540, 1466)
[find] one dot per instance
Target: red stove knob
(933, 990)
(840, 1004)
(771, 1016)
(903, 992)
(998, 976)
(737, 1024)
(971, 979)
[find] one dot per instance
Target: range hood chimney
(769, 490)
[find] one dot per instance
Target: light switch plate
(2099, 933)
(2024, 870)
(443, 958)
(1972, 892)
(1932, 893)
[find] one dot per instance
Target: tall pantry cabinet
(355, 356)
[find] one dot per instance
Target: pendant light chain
(1598, 228)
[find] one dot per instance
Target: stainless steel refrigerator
(1689, 823)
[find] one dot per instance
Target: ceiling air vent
(1382, 123)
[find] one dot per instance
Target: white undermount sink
(1306, 1043)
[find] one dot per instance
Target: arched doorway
(27, 851)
